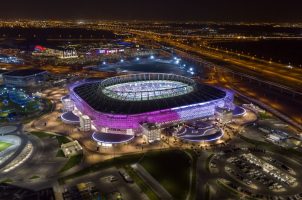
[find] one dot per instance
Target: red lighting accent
(39, 48)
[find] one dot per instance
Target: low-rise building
(224, 115)
(68, 105)
(151, 132)
(72, 148)
(85, 123)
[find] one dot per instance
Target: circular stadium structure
(122, 104)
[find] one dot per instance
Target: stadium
(24, 77)
(123, 104)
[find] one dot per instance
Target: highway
(270, 71)
(278, 99)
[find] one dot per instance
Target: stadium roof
(71, 117)
(238, 111)
(94, 97)
(25, 72)
(111, 137)
(65, 97)
(215, 136)
(193, 135)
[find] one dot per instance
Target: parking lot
(259, 173)
(109, 183)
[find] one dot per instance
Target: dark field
(171, 169)
(283, 51)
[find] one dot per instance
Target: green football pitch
(4, 145)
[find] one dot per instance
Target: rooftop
(70, 117)
(111, 137)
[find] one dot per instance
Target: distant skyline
(182, 10)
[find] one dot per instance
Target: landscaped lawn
(41, 134)
(34, 177)
(7, 180)
(4, 145)
(171, 169)
(62, 139)
(60, 153)
(265, 115)
(73, 161)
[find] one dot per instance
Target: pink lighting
(163, 116)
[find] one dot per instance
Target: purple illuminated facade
(164, 116)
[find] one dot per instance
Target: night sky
(202, 10)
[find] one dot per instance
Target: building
(151, 132)
(10, 59)
(68, 53)
(224, 115)
(25, 77)
(120, 105)
(254, 108)
(68, 104)
(85, 123)
(274, 138)
(58, 53)
(71, 149)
